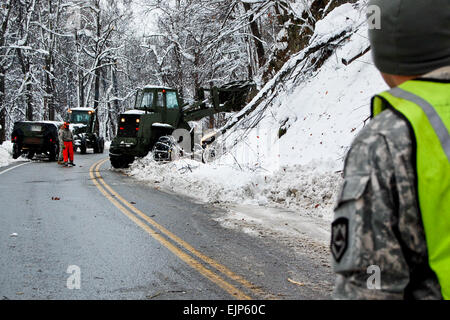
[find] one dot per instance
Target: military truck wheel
(16, 151)
(96, 147)
(54, 153)
(166, 149)
(120, 162)
(30, 155)
(83, 146)
(102, 145)
(116, 163)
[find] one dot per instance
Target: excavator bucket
(234, 95)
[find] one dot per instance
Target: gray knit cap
(414, 38)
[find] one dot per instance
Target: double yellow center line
(205, 265)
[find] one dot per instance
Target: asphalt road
(90, 232)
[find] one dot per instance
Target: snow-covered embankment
(301, 170)
(6, 154)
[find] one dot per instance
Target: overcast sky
(144, 22)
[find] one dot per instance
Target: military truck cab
(157, 113)
(33, 137)
(85, 128)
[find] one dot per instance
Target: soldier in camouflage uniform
(377, 217)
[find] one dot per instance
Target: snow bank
(300, 171)
(6, 154)
(300, 188)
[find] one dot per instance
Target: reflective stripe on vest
(426, 106)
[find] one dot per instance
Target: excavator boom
(231, 97)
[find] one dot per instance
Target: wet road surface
(90, 232)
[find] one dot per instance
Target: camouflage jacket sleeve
(377, 219)
(60, 137)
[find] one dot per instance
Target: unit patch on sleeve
(339, 238)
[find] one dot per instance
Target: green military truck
(85, 129)
(159, 111)
(32, 138)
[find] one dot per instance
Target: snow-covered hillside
(321, 115)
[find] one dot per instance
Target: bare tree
(5, 12)
(25, 13)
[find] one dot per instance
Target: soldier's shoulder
(390, 125)
(384, 142)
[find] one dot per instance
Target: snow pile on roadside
(6, 154)
(299, 188)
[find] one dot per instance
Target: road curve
(127, 240)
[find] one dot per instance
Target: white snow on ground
(301, 188)
(300, 171)
(6, 154)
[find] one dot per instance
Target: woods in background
(60, 54)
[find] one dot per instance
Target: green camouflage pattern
(378, 198)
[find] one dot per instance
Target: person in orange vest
(67, 138)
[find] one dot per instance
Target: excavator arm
(231, 97)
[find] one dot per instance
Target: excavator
(159, 112)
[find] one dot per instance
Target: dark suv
(33, 137)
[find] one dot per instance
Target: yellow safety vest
(426, 106)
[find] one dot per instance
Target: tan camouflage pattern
(385, 229)
(67, 135)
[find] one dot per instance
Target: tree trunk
(2, 106)
(49, 90)
(254, 28)
(80, 87)
(26, 68)
(49, 100)
(116, 107)
(97, 88)
(29, 98)
(4, 28)
(99, 61)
